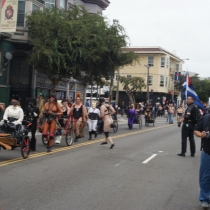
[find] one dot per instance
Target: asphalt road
(142, 172)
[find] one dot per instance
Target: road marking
(125, 160)
(150, 158)
(40, 154)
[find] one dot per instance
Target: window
(63, 4)
(177, 67)
(49, 3)
(162, 64)
(129, 76)
(34, 7)
(161, 81)
(21, 13)
(166, 82)
(150, 60)
(150, 80)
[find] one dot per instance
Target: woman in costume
(131, 116)
(93, 115)
(106, 114)
(79, 116)
(51, 111)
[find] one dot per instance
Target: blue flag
(188, 90)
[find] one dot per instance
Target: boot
(33, 144)
(90, 135)
(95, 132)
(76, 139)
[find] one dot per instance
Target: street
(142, 172)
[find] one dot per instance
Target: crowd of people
(189, 116)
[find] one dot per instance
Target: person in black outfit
(202, 130)
(32, 115)
(188, 128)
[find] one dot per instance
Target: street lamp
(148, 66)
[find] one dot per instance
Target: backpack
(196, 115)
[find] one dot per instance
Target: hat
(15, 97)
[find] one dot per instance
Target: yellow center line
(40, 154)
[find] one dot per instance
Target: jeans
(204, 178)
(170, 118)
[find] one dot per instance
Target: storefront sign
(8, 15)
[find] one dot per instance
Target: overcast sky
(179, 26)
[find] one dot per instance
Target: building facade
(162, 67)
(19, 78)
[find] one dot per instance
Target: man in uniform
(188, 127)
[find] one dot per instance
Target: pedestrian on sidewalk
(106, 114)
(202, 130)
(32, 114)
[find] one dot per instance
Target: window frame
(150, 80)
(129, 76)
(177, 68)
(149, 61)
(162, 80)
(46, 2)
(18, 13)
(61, 6)
(162, 66)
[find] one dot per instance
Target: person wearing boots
(106, 114)
(51, 110)
(79, 116)
(32, 115)
(93, 115)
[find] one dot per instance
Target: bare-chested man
(106, 114)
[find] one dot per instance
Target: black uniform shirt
(205, 144)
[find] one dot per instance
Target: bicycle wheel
(44, 140)
(25, 147)
(140, 123)
(115, 126)
(69, 137)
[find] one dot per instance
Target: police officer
(188, 127)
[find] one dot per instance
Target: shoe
(112, 146)
(103, 143)
(49, 149)
(95, 134)
(192, 155)
(76, 139)
(181, 154)
(205, 206)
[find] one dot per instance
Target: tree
(132, 85)
(68, 42)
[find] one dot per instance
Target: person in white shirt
(14, 113)
(93, 115)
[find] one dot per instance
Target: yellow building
(162, 67)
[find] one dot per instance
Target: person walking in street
(171, 111)
(122, 108)
(202, 130)
(62, 120)
(32, 114)
(51, 111)
(188, 126)
(180, 112)
(106, 112)
(93, 115)
(79, 116)
(131, 116)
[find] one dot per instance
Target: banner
(177, 77)
(9, 9)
